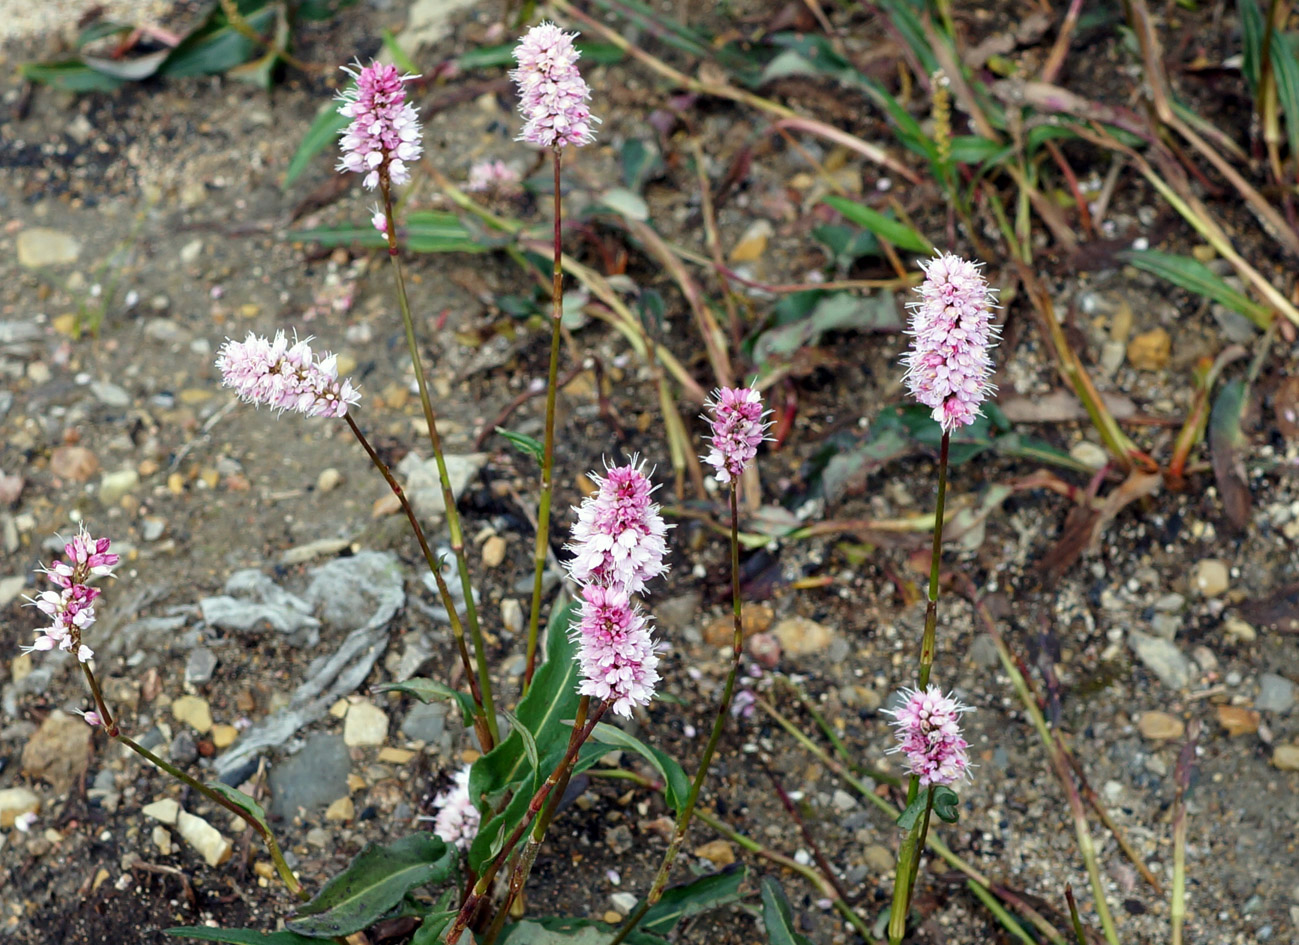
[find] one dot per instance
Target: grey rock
(152, 738)
(1276, 694)
(415, 654)
(983, 652)
(166, 330)
(110, 394)
(425, 722)
(1166, 625)
(425, 489)
(152, 527)
(114, 485)
(1161, 657)
(201, 665)
(183, 749)
(313, 778)
(41, 246)
(348, 592)
(678, 613)
(251, 598)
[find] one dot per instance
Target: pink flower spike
(552, 92)
(286, 378)
(738, 425)
(457, 818)
(948, 365)
(929, 733)
(384, 135)
(492, 177)
(615, 650)
(619, 537)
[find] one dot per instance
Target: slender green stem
(540, 553)
(851, 777)
(719, 724)
(928, 642)
(448, 497)
(272, 846)
(484, 884)
(457, 629)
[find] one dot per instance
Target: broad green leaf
(218, 46)
(71, 75)
(559, 930)
(430, 690)
(837, 311)
(640, 161)
(885, 227)
(702, 895)
(374, 882)
(242, 801)
(777, 917)
(437, 919)
(323, 132)
(424, 231)
(676, 786)
(239, 936)
(1193, 276)
(529, 446)
(915, 810)
(496, 829)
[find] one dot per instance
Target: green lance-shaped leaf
(778, 917)
(676, 783)
(430, 690)
(885, 227)
(243, 801)
(240, 936)
(1194, 276)
(703, 895)
(322, 134)
(374, 882)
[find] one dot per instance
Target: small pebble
(718, 852)
(1210, 577)
(328, 480)
(1237, 720)
(1286, 757)
(1160, 726)
(493, 551)
(366, 725)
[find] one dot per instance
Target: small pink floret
(285, 377)
(553, 94)
(615, 650)
(738, 425)
(929, 733)
(948, 364)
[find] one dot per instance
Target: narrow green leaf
(374, 882)
(676, 784)
(71, 75)
(1251, 30)
(702, 895)
(1285, 69)
(217, 46)
(529, 746)
(487, 57)
(323, 132)
(1193, 276)
(399, 57)
(777, 916)
(424, 231)
(241, 800)
(430, 690)
(239, 936)
(885, 227)
(1227, 450)
(529, 446)
(838, 311)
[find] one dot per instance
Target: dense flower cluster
(71, 606)
(284, 376)
(951, 326)
(457, 818)
(552, 92)
(616, 650)
(929, 734)
(492, 177)
(619, 537)
(738, 425)
(384, 131)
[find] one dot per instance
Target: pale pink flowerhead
(492, 177)
(738, 425)
(619, 539)
(929, 733)
(284, 377)
(71, 608)
(615, 650)
(457, 818)
(552, 93)
(384, 134)
(948, 365)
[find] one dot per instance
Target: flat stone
(396, 756)
(718, 852)
(1236, 629)
(110, 394)
(41, 246)
(183, 749)
(341, 809)
(368, 587)
(1210, 577)
(200, 666)
(425, 722)
(1237, 720)
(493, 551)
(1160, 726)
(1161, 657)
(800, 636)
(312, 779)
(721, 630)
(511, 614)
(164, 810)
(1286, 757)
(161, 837)
(329, 480)
(879, 858)
(366, 725)
(114, 485)
(194, 712)
(204, 838)
(16, 801)
(1275, 694)
(58, 751)
(223, 736)
(11, 587)
(425, 489)
(1150, 350)
(624, 902)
